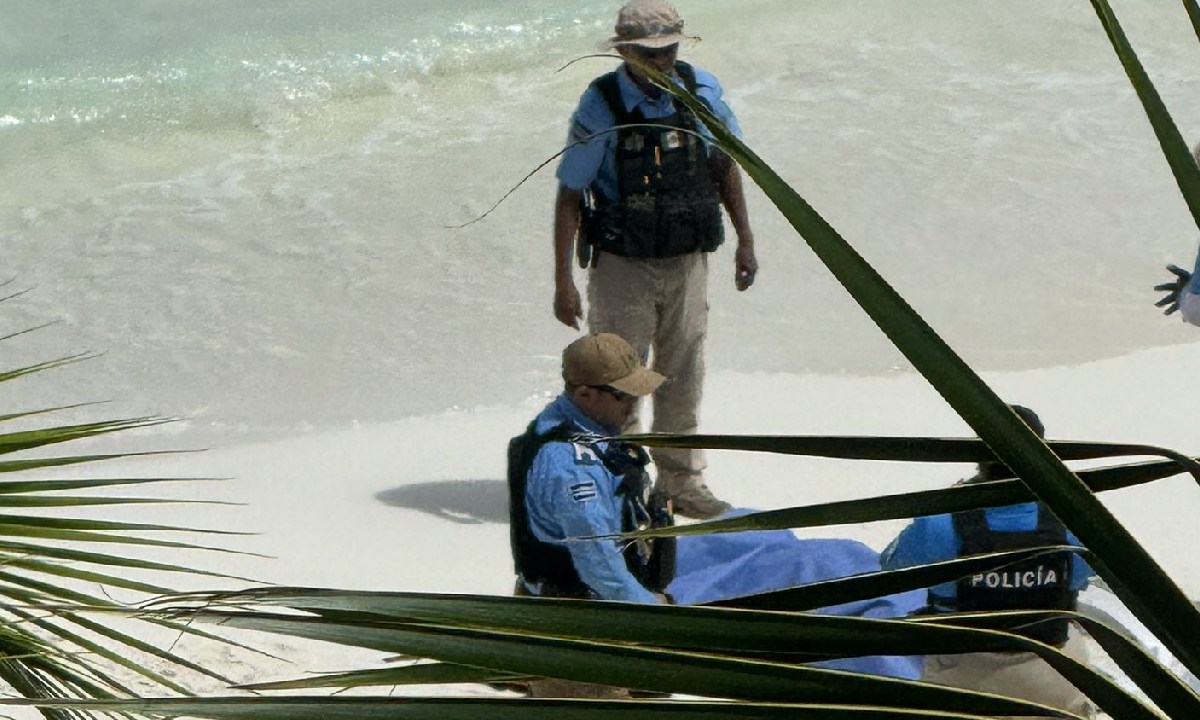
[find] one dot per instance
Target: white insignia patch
(585, 455)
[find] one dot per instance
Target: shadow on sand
(470, 502)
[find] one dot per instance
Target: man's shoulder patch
(585, 455)
(579, 131)
(583, 491)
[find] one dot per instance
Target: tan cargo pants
(1019, 675)
(660, 306)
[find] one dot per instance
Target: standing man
(1048, 582)
(645, 202)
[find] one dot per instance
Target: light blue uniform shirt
(570, 493)
(932, 539)
(593, 163)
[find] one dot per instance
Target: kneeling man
(569, 479)
(571, 484)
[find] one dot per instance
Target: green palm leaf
(903, 449)
(48, 646)
(1175, 150)
(30, 439)
(1166, 690)
(784, 638)
(390, 708)
(907, 505)
(748, 655)
(742, 655)
(638, 665)
(8, 466)
(420, 674)
(19, 487)
(1194, 13)
(49, 365)
(1120, 559)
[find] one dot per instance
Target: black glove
(1172, 289)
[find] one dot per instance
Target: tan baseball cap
(648, 23)
(606, 359)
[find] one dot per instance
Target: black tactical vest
(549, 565)
(667, 201)
(1040, 583)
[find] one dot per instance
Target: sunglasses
(655, 53)
(618, 394)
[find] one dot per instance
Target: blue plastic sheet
(728, 565)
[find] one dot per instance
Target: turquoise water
(223, 72)
(247, 206)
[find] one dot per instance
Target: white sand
(319, 502)
(418, 504)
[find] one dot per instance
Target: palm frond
(1133, 574)
(49, 647)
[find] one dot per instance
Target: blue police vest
(1040, 583)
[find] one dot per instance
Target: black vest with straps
(1040, 583)
(549, 565)
(667, 200)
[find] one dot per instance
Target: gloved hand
(1173, 289)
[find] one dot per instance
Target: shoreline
(437, 481)
(418, 504)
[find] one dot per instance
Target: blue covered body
(718, 567)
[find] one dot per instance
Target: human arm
(926, 540)
(919, 543)
(582, 158)
(1189, 306)
(1173, 289)
(729, 186)
(1189, 298)
(728, 178)
(1182, 293)
(568, 307)
(570, 496)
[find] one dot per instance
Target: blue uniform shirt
(932, 539)
(593, 163)
(1189, 298)
(571, 494)
(1194, 285)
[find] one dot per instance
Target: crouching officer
(1048, 582)
(572, 487)
(568, 479)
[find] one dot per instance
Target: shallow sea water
(248, 209)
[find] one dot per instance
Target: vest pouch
(690, 225)
(621, 228)
(601, 228)
(651, 560)
(640, 229)
(645, 226)
(661, 569)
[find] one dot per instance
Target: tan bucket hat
(648, 23)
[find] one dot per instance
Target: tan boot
(699, 503)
